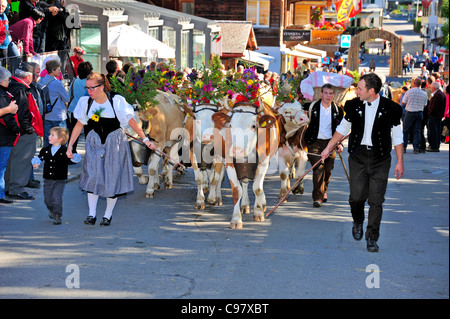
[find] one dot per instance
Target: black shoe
(317, 204)
(434, 150)
(57, 220)
(372, 245)
(23, 195)
(6, 200)
(32, 183)
(105, 221)
(90, 220)
(357, 231)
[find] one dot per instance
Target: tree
(445, 29)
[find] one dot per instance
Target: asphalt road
(411, 43)
(164, 248)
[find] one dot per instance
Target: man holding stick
(371, 119)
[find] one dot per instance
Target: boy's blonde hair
(61, 132)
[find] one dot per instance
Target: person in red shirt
(77, 58)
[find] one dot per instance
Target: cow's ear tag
(264, 124)
(150, 116)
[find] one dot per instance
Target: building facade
(189, 35)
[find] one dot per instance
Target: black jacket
(10, 130)
(20, 93)
(388, 115)
(313, 128)
(55, 166)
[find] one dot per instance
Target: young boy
(55, 170)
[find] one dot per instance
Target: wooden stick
(345, 168)
(301, 178)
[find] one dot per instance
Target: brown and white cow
(246, 139)
(208, 168)
(293, 122)
(165, 125)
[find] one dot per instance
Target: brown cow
(208, 168)
(166, 127)
(246, 139)
(293, 122)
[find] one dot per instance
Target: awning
(309, 50)
(124, 40)
(258, 58)
(302, 54)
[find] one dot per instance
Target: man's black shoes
(357, 231)
(372, 245)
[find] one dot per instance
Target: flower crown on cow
(138, 87)
(289, 89)
(243, 87)
(166, 79)
(204, 85)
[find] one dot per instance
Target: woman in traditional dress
(107, 169)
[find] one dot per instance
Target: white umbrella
(124, 40)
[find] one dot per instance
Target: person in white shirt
(374, 123)
(324, 115)
(107, 169)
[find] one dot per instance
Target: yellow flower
(250, 82)
(95, 118)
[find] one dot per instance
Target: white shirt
(325, 132)
(124, 111)
(345, 126)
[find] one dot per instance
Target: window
(184, 49)
(258, 11)
(153, 32)
(199, 49)
(187, 6)
(302, 14)
(89, 39)
(169, 37)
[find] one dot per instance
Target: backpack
(48, 105)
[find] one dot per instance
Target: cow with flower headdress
(201, 97)
(246, 139)
(293, 121)
(161, 118)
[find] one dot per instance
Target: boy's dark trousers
(53, 192)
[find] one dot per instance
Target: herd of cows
(240, 140)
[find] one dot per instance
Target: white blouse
(124, 111)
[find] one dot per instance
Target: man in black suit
(371, 119)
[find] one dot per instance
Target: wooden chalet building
(284, 29)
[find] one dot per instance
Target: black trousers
(368, 182)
